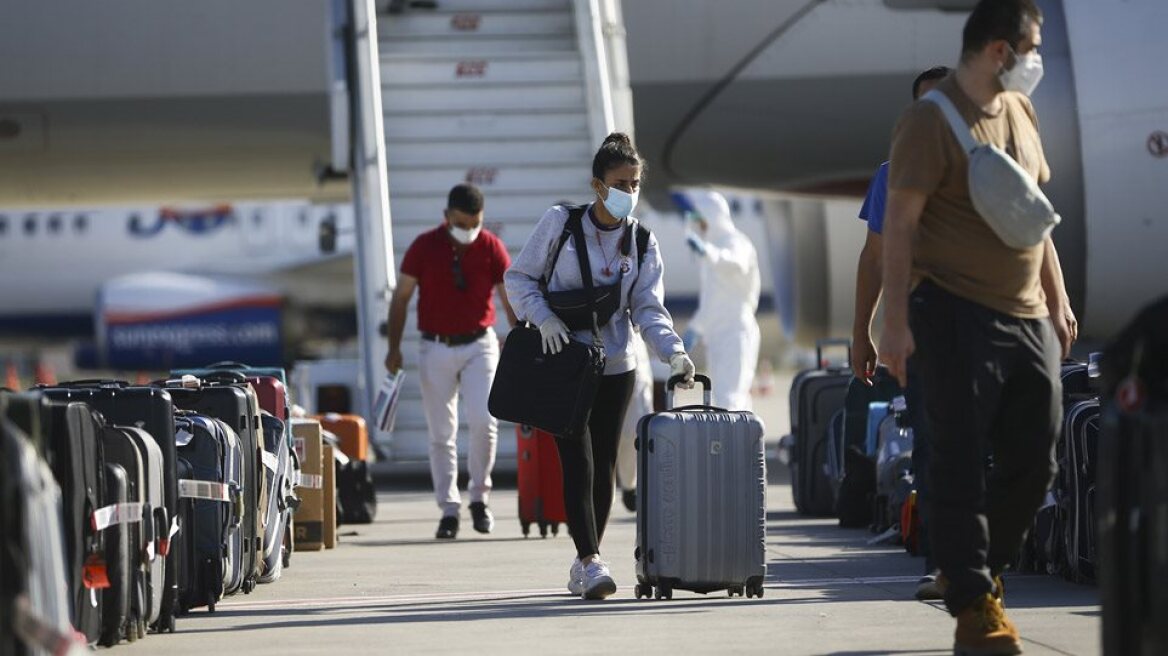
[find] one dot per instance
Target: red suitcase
(272, 394)
(541, 482)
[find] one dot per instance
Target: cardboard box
(330, 498)
(308, 521)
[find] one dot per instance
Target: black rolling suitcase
(152, 410)
(237, 407)
(816, 395)
(76, 456)
(34, 603)
(115, 610)
(210, 484)
(1133, 488)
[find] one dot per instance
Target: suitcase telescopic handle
(674, 381)
(821, 344)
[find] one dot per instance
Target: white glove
(555, 335)
(681, 365)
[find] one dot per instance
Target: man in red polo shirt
(455, 267)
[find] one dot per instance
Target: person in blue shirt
(869, 282)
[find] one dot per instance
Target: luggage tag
(95, 575)
(164, 543)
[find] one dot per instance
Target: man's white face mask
(1025, 75)
(464, 236)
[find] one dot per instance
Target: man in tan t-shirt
(982, 334)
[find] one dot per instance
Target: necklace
(607, 270)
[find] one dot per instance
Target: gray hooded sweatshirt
(642, 289)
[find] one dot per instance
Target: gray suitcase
(701, 516)
(155, 519)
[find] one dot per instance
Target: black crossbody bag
(554, 391)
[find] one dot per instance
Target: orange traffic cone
(45, 374)
(11, 378)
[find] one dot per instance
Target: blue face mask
(619, 203)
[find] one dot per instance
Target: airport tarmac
(390, 588)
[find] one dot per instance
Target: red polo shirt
(444, 309)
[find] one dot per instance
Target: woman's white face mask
(619, 203)
(1025, 75)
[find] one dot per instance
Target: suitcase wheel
(285, 557)
(543, 529)
(556, 528)
(248, 586)
(525, 527)
(168, 624)
(664, 592)
(740, 591)
(643, 590)
(753, 590)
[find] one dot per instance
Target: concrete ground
(390, 587)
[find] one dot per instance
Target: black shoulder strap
(642, 243)
(575, 212)
(575, 225)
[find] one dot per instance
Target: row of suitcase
(850, 456)
(173, 495)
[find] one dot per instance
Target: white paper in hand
(385, 407)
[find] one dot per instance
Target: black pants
(993, 389)
(589, 463)
(914, 395)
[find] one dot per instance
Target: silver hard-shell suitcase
(701, 516)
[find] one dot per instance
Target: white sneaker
(598, 582)
(576, 578)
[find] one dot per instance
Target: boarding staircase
(511, 95)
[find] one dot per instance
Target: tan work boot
(984, 630)
(942, 584)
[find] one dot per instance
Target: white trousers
(444, 371)
(732, 357)
(640, 405)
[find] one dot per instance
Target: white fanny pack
(1003, 193)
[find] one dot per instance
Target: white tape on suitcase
(206, 490)
(118, 513)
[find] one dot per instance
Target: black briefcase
(552, 392)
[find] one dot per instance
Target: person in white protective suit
(728, 300)
(640, 405)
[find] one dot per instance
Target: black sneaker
(447, 528)
(481, 515)
(629, 497)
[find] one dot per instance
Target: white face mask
(1025, 75)
(619, 203)
(464, 236)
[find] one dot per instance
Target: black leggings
(589, 463)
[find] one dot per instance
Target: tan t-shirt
(954, 246)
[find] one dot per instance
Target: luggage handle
(92, 382)
(229, 365)
(820, 344)
(225, 376)
(672, 383)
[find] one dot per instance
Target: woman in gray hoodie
(624, 261)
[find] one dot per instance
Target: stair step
(501, 98)
(459, 127)
(448, 6)
(487, 153)
(455, 72)
(478, 46)
(417, 25)
(503, 179)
